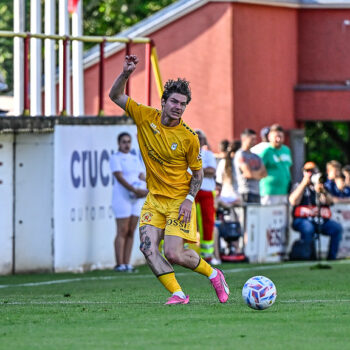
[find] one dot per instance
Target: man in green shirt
(277, 159)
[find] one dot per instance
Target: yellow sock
(169, 281)
(204, 268)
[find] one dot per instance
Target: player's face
(174, 106)
(125, 144)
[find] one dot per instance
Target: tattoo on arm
(196, 182)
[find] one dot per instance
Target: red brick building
(250, 63)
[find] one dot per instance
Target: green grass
(107, 310)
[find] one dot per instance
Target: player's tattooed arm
(186, 206)
(196, 182)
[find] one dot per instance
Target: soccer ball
(259, 292)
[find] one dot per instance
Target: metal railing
(150, 59)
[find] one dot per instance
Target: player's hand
(130, 64)
(140, 193)
(185, 211)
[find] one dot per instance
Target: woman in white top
(129, 190)
(225, 175)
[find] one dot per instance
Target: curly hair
(180, 86)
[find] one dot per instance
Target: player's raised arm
(117, 93)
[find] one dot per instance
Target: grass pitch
(108, 310)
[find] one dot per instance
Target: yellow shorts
(163, 212)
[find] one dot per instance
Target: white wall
(56, 199)
(84, 222)
(6, 203)
(33, 202)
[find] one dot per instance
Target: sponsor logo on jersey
(154, 128)
(154, 156)
(174, 146)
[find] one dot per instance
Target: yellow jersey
(167, 152)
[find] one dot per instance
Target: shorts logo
(174, 146)
(146, 217)
(177, 223)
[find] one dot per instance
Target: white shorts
(126, 207)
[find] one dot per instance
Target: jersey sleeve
(194, 157)
(136, 111)
(114, 163)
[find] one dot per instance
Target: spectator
(311, 213)
(346, 172)
(264, 134)
(205, 200)
(225, 174)
(223, 146)
(277, 159)
(127, 199)
(333, 169)
(342, 192)
(249, 168)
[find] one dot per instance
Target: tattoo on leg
(146, 247)
(143, 230)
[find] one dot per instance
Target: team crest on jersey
(146, 217)
(174, 146)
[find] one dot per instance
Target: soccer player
(168, 147)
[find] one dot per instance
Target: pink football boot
(174, 299)
(220, 286)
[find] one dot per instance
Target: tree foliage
(6, 45)
(327, 141)
(101, 17)
(108, 17)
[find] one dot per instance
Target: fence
(150, 55)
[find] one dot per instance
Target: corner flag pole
(156, 70)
